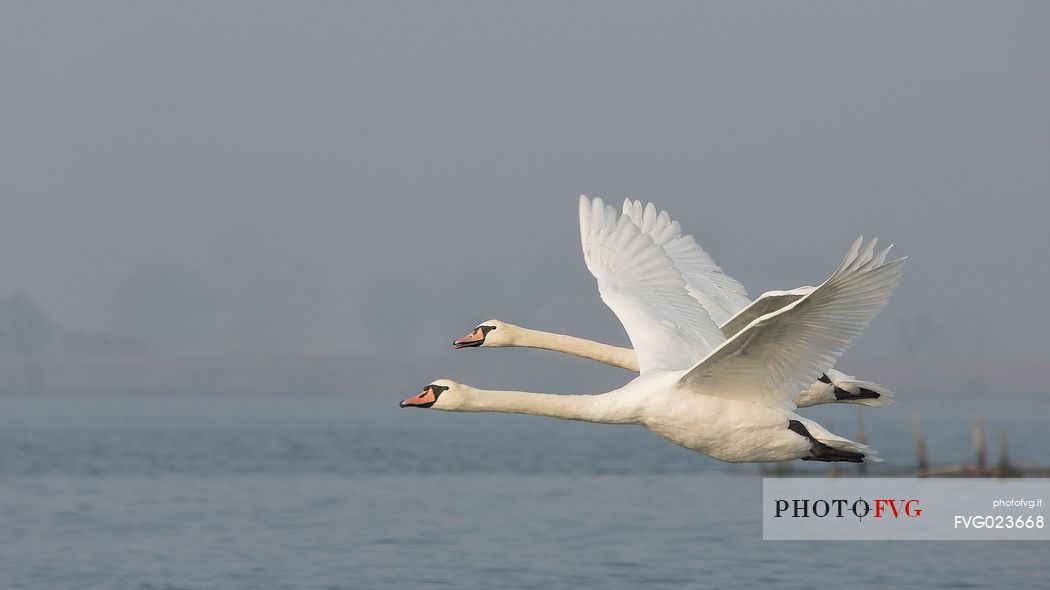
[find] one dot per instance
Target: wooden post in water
(979, 447)
(920, 443)
(1004, 458)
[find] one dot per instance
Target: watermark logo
(904, 508)
(840, 508)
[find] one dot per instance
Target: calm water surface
(200, 491)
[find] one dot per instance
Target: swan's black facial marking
(436, 391)
(824, 378)
(475, 338)
(426, 398)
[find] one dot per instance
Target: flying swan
(736, 403)
(722, 296)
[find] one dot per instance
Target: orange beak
(475, 338)
(423, 400)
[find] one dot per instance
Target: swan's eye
(485, 329)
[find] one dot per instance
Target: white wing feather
(720, 294)
(771, 301)
(781, 353)
(767, 302)
(640, 283)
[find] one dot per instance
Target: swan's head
(442, 394)
(492, 333)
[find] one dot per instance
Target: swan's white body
(735, 404)
(720, 295)
(730, 430)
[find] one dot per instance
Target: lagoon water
(349, 491)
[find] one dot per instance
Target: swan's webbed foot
(821, 452)
(844, 395)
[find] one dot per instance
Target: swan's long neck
(588, 349)
(607, 408)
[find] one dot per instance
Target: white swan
(722, 296)
(736, 403)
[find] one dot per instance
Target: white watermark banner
(873, 508)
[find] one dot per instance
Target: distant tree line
(24, 326)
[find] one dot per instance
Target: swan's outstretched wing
(781, 353)
(771, 301)
(720, 294)
(640, 283)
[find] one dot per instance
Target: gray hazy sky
(340, 176)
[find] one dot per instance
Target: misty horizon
(375, 180)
